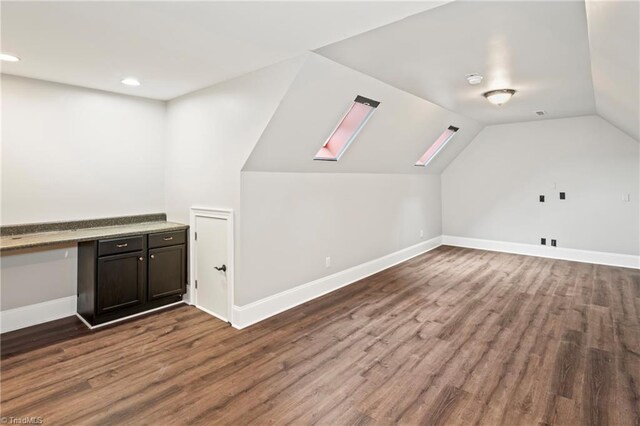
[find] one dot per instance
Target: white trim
(585, 256)
(210, 313)
(26, 316)
(244, 316)
(217, 213)
(93, 327)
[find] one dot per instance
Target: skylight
(437, 146)
(347, 130)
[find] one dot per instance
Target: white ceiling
(175, 47)
(541, 49)
(614, 38)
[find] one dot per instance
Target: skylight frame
(448, 135)
(325, 154)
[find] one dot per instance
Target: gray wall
(293, 221)
(491, 190)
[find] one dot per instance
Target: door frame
(214, 213)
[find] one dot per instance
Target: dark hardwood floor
(455, 336)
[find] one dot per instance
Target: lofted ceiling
(540, 49)
(175, 47)
(567, 58)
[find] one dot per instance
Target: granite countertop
(39, 239)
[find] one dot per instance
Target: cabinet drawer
(164, 239)
(119, 245)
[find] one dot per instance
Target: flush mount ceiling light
(499, 97)
(474, 78)
(130, 81)
(8, 58)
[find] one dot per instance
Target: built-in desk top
(15, 237)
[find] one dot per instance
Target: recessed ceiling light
(8, 58)
(474, 78)
(499, 97)
(130, 81)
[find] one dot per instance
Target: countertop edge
(30, 245)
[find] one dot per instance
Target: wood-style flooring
(454, 336)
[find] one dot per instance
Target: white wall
(72, 153)
(210, 134)
(491, 190)
(36, 276)
(293, 221)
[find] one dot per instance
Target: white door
(211, 266)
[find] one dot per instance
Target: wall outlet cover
(541, 198)
(327, 262)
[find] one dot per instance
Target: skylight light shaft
(348, 128)
(437, 146)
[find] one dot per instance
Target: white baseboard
(585, 256)
(139, 314)
(244, 316)
(25, 316)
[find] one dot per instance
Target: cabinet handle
(122, 245)
(140, 258)
(153, 256)
(168, 238)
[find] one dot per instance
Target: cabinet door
(167, 267)
(121, 280)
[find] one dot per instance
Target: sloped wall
(614, 44)
(398, 133)
(491, 190)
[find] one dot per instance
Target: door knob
(223, 268)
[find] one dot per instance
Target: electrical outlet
(543, 241)
(327, 262)
(542, 198)
(421, 233)
(553, 243)
(563, 196)
(626, 197)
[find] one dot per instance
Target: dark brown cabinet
(120, 282)
(125, 276)
(166, 271)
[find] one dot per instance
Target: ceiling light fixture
(130, 81)
(8, 58)
(499, 97)
(474, 78)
